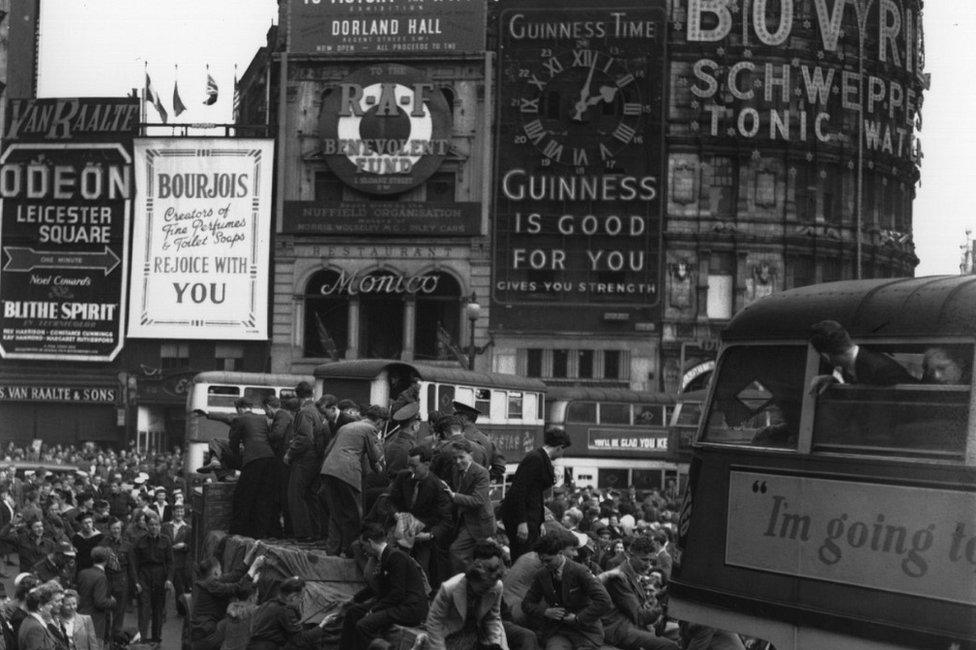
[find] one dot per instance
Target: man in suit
(304, 458)
(254, 509)
(523, 509)
(282, 421)
(857, 365)
(419, 492)
(565, 601)
(94, 597)
(342, 478)
(178, 531)
(152, 557)
(466, 612)
(628, 625)
(469, 494)
(34, 633)
(494, 459)
(400, 597)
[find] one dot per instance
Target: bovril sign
(385, 129)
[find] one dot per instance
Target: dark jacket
(279, 433)
(581, 593)
(473, 502)
(209, 602)
(494, 459)
(400, 585)
(251, 430)
(525, 500)
(630, 600)
(34, 635)
(153, 558)
(276, 624)
(432, 505)
(308, 436)
(94, 598)
(877, 369)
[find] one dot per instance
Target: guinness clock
(583, 106)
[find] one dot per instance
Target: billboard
(65, 201)
(873, 535)
(411, 218)
(201, 240)
(579, 157)
(420, 27)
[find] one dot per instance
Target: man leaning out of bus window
(856, 365)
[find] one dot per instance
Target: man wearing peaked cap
(57, 564)
(403, 439)
(495, 459)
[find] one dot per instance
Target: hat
(20, 577)
(65, 548)
(408, 413)
(141, 478)
(160, 489)
(603, 530)
(462, 408)
(556, 437)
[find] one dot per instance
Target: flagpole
(142, 93)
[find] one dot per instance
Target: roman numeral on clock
(532, 105)
(535, 131)
(583, 58)
(624, 80)
(553, 66)
(553, 150)
(580, 158)
(624, 132)
(632, 108)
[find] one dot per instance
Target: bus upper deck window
(926, 416)
(614, 413)
(482, 400)
(515, 406)
(581, 412)
(222, 396)
(758, 396)
(647, 415)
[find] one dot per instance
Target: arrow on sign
(22, 259)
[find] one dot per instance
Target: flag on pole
(325, 339)
(153, 98)
(211, 89)
(237, 95)
(178, 106)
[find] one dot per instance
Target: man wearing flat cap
(495, 459)
(523, 509)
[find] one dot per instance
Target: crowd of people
(411, 500)
(92, 530)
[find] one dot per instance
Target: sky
(102, 48)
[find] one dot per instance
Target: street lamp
(473, 312)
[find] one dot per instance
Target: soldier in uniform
(120, 573)
(152, 555)
(495, 462)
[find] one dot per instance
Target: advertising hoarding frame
(252, 327)
(122, 266)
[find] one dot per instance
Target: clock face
(581, 107)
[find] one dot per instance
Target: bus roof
(370, 368)
(251, 378)
(597, 393)
(931, 306)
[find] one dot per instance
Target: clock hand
(582, 103)
(605, 95)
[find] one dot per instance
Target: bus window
(482, 399)
(581, 412)
(222, 396)
(758, 395)
(647, 415)
(529, 407)
(445, 399)
(432, 398)
(286, 393)
(614, 413)
(515, 406)
(257, 394)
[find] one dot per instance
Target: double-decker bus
(512, 407)
(844, 517)
(619, 436)
(216, 392)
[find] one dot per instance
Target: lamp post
(473, 311)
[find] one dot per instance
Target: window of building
(533, 366)
(174, 356)
(228, 356)
(326, 316)
(611, 364)
(560, 363)
(438, 319)
(800, 271)
(440, 187)
(721, 285)
(585, 364)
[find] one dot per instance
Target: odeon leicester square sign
(385, 129)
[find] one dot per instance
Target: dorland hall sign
(385, 129)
